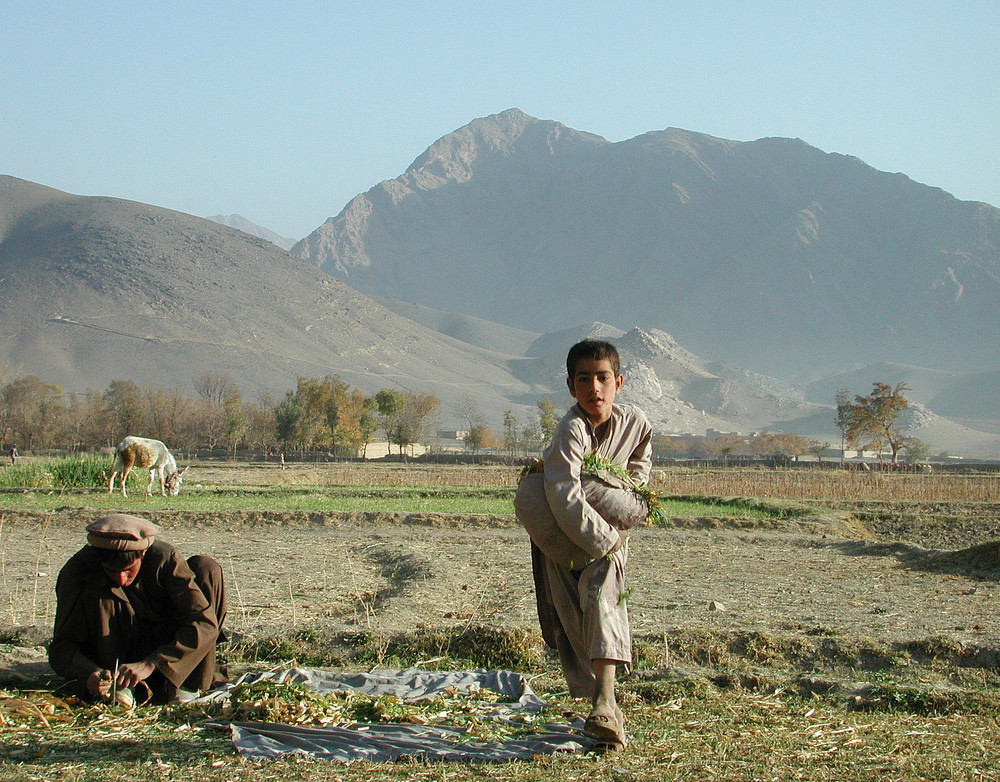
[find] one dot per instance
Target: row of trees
(320, 414)
(867, 423)
(328, 414)
(520, 438)
(761, 445)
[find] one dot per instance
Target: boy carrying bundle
(579, 526)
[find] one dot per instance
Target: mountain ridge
(769, 254)
(93, 287)
(240, 223)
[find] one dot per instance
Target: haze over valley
(744, 283)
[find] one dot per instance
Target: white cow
(152, 455)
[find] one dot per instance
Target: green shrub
(81, 472)
(28, 475)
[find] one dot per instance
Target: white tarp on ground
(380, 742)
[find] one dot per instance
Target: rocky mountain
(97, 289)
(673, 386)
(240, 223)
(769, 254)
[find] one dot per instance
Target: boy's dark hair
(595, 349)
(117, 560)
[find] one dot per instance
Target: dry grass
(794, 483)
(709, 706)
(354, 474)
(712, 735)
(829, 485)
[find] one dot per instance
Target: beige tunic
(579, 567)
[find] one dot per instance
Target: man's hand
(99, 683)
(131, 674)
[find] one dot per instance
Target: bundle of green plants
(596, 465)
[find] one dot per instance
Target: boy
(578, 554)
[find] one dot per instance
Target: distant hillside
(971, 399)
(97, 289)
(673, 386)
(100, 289)
(465, 328)
(769, 254)
(240, 223)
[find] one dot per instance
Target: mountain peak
(494, 138)
(704, 237)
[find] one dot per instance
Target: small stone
(715, 605)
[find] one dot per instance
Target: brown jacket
(163, 616)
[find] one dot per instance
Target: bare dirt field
(827, 575)
(858, 640)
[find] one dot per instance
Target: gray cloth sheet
(381, 742)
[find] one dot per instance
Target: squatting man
(135, 620)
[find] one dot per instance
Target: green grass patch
(66, 472)
(672, 507)
(81, 481)
(321, 499)
(740, 507)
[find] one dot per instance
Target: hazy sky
(282, 112)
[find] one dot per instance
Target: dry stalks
(803, 483)
(353, 474)
(828, 485)
(28, 595)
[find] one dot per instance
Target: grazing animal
(152, 455)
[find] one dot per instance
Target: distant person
(578, 554)
(13, 455)
(132, 613)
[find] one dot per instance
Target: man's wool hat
(122, 532)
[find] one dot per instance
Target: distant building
(451, 440)
(379, 449)
(452, 434)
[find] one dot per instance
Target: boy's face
(594, 386)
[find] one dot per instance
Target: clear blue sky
(282, 112)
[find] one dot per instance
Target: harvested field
(864, 603)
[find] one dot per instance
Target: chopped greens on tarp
(384, 715)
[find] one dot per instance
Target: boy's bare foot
(607, 726)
